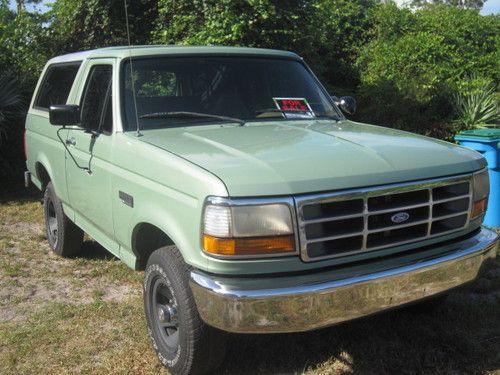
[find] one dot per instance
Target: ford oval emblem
(400, 217)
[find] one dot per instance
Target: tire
(183, 342)
(65, 238)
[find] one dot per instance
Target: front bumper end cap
(301, 304)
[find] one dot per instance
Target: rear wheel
(64, 237)
(183, 342)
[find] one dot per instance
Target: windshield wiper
(183, 114)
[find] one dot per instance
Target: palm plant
(478, 108)
(10, 102)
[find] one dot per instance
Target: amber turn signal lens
(479, 207)
(248, 246)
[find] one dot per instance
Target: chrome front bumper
(306, 302)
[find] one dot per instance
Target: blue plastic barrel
(487, 142)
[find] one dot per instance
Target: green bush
(478, 106)
(10, 103)
(11, 117)
(415, 63)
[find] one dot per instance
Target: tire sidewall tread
(201, 348)
(69, 236)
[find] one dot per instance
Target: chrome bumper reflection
(301, 303)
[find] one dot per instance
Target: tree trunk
(20, 5)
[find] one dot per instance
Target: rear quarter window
(56, 85)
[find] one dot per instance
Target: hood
(293, 157)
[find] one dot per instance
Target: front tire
(65, 238)
(183, 342)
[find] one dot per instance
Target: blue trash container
(487, 142)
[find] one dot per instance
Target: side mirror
(64, 114)
(346, 103)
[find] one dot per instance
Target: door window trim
(109, 99)
(78, 63)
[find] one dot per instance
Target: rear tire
(65, 238)
(183, 342)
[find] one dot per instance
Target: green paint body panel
(295, 157)
(169, 173)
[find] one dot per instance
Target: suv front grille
(339, 224)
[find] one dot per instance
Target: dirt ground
(84, 316)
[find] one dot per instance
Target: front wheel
(183, 342)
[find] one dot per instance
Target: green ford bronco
(233, 179)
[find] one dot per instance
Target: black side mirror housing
(346, 103)
(64, 114)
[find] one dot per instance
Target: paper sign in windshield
(294, 107)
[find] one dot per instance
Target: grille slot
(333, 209)
(339, 224)
(450, 191)
(450, 207)
(335, 247)
(451, 223)
(396, 235)
(335, 228)
(398, 200)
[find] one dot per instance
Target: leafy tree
(463, 4)
(271, 23)
(24, 44)
(327, 33)
(21, 4)
(6, 17)
(343, 27)
(86, 24)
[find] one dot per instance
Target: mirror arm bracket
(86, 169)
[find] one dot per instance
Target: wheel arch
(42, 174)
(146, 238)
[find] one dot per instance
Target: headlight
(481, 192)
(240, 228)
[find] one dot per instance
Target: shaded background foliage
(416, 61)
(410, 68)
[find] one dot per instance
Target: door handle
(71, 142)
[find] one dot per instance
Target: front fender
(165, 221)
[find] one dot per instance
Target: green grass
(85, 316)
(95, 338)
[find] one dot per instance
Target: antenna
(138, 133)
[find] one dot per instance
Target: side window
(56, 85)
(96, 104)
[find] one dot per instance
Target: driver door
(89, 174)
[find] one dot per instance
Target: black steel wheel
(165, 313)
(64, 237)
(183, 342)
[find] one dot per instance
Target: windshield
(245, 88)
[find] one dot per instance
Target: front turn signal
(273, 245)
(479, 208)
